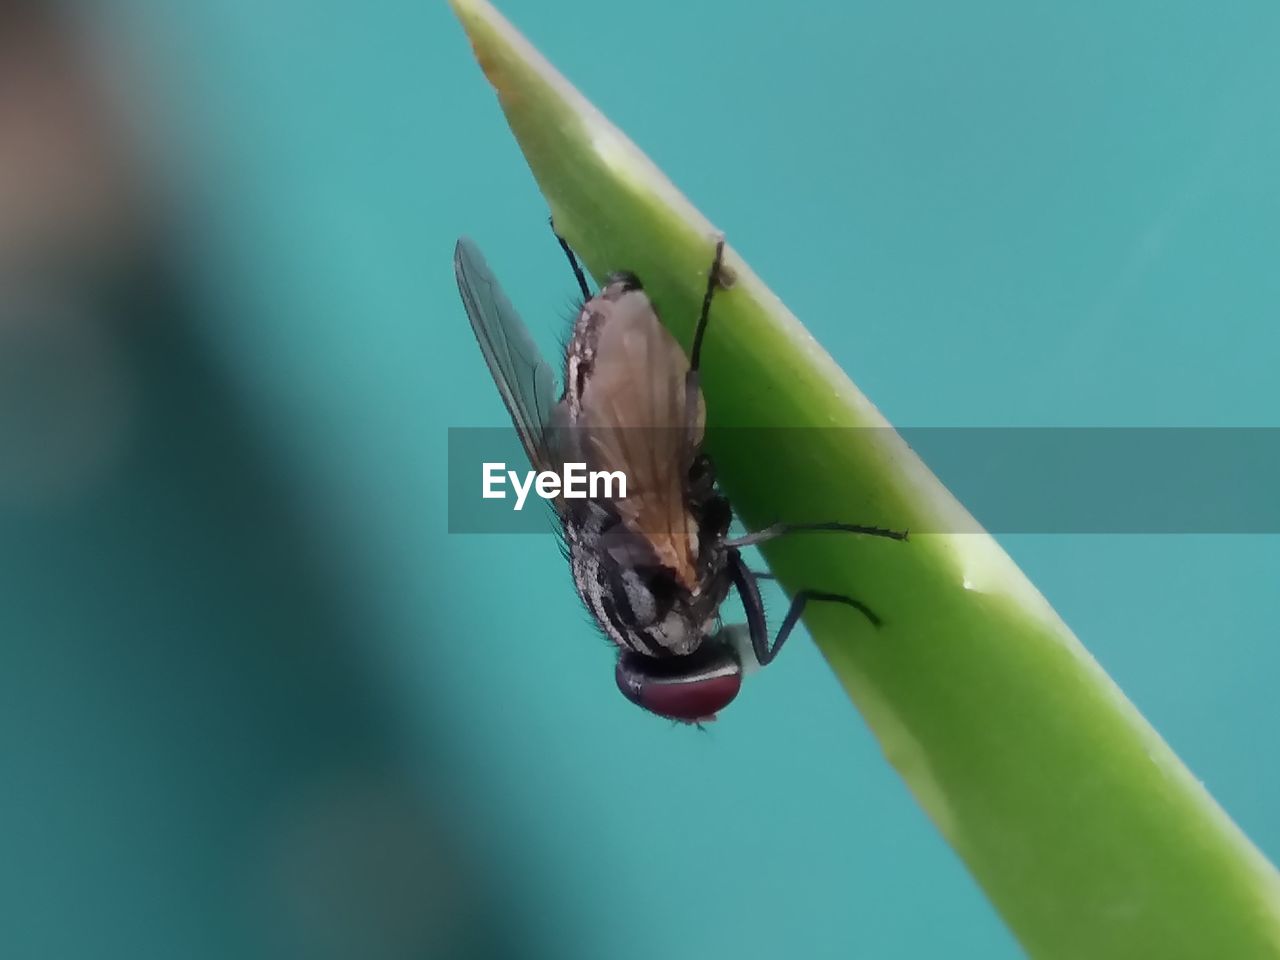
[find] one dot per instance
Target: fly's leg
(749, 591)
(692, 386)
(752, 604)
(573, 263)
(782, 529)
(798, 603)
(713, 281)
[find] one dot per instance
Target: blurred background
(256, 702)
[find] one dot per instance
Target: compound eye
(691, 688)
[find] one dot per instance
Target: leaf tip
(490, 34)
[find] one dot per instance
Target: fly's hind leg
(573, 262)
(716, 277)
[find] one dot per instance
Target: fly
(652, 568)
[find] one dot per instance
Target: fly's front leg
(801, 600)
(745, 582)
(798, 603)
(749, 591)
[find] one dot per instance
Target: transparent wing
(525, 380)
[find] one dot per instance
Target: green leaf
(1085, 830)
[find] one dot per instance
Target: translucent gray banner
(1013, 480)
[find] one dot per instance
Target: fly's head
(671, 658)
(689, 689)
(665, 627)
(692, 683)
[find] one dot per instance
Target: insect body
(654, 567)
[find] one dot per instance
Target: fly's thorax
(638, 603)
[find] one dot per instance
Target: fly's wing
(524, 378)
(642, 419)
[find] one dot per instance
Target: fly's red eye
(691, 688)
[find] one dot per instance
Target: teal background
(257, 702)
